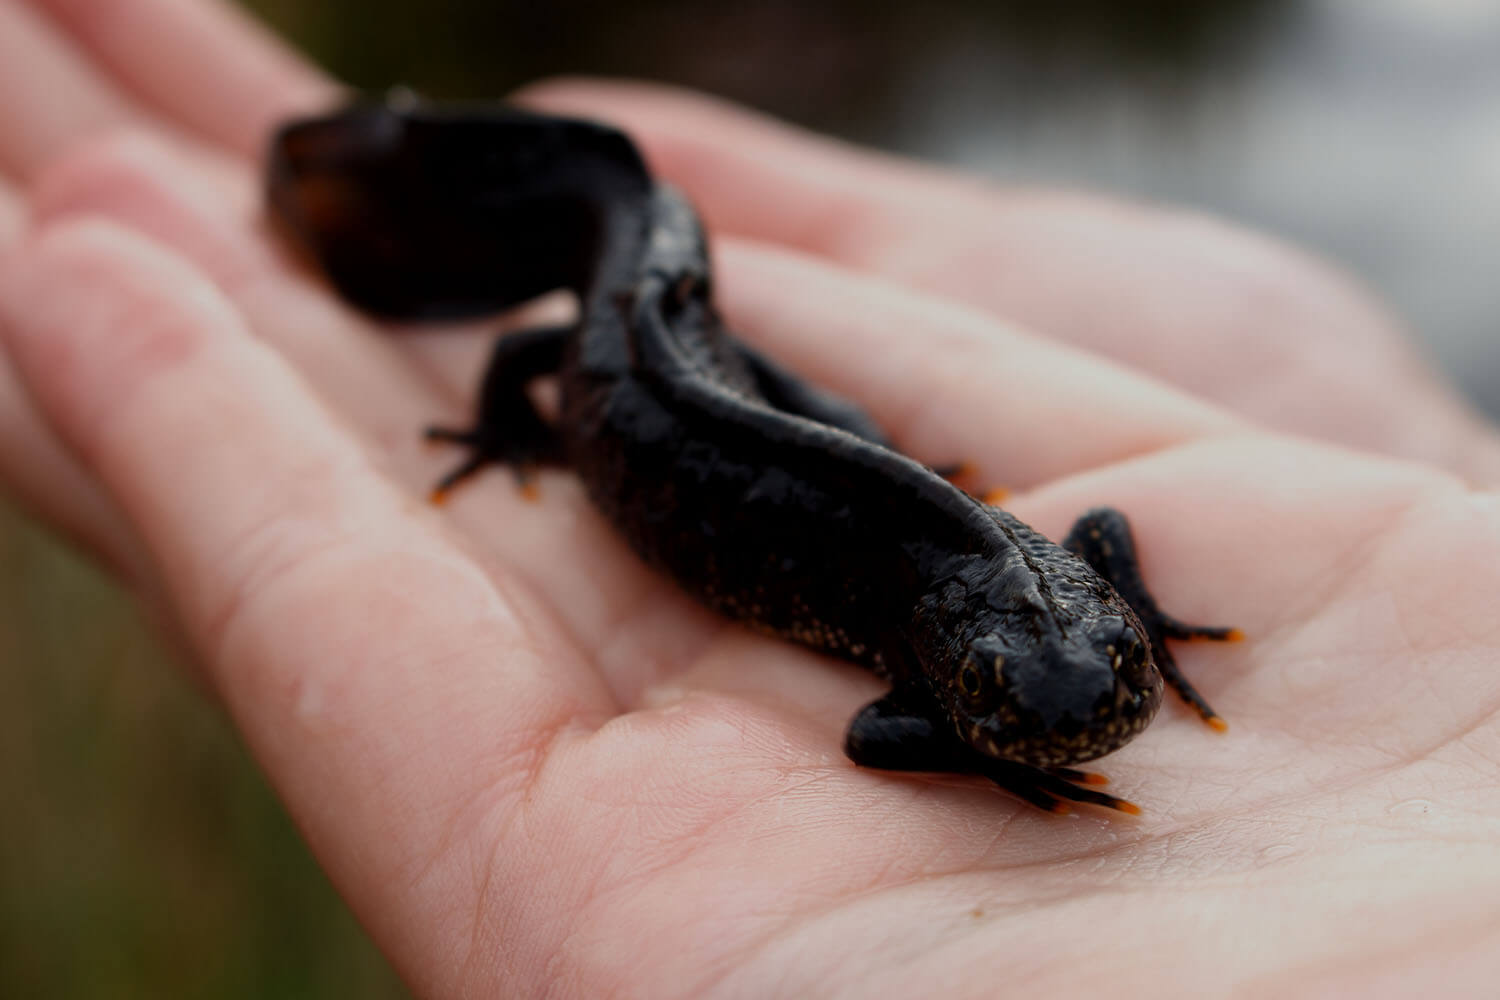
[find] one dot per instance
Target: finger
(951, 383)
(1027, 254)
(227, 79)
(49, 95)
(397, 696)
(1216, 310)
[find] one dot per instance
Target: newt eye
(969, 680)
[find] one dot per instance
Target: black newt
(768, 499)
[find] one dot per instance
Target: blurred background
(142, 855)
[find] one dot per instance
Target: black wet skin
(767, 499)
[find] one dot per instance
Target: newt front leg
(898, 733)
(1102, 538)
(508, 429)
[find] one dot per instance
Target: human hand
(526, 760)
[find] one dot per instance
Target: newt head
(1060, 697)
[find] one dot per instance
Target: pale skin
(530, 764)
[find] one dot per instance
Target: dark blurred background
(141, 854)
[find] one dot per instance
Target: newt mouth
(1025, 738)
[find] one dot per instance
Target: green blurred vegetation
(143, 854)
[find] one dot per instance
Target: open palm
(531, 764)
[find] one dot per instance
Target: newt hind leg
(1102, 538)
(508, 429)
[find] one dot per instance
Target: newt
(768, 499)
